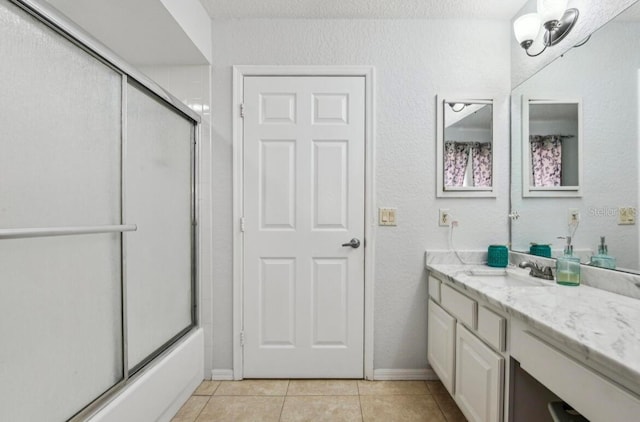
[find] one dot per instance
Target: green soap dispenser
(602, 259)
(568, 267)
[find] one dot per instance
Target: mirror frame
(469, 191)
(548, 191)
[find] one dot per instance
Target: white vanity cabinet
(463, 348)
(441, 340)
(479, 378)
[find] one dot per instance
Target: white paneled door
(303, 290)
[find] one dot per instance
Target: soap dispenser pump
(602, 259)
(568, 267)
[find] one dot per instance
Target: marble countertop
(600, 328)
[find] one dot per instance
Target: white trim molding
(404, 374)
(368, 72)
(222, 374)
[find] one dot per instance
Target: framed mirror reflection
(552, 147)
(465, 147)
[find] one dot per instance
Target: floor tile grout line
(284, 399)
(202, 410)
(440, 409)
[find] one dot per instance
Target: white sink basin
(507, 277)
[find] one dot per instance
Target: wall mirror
(465, 147)
(552, 147)
(605, 75)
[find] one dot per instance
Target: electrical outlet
(444, 218)
(626, 216)
(574, 216)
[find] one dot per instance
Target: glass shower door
(158, 198)
(89, 148)
(60, 158)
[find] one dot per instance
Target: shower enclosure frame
(130, 76)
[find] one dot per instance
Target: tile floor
(320, 400)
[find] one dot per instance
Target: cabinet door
(441, 343)
(479, 378)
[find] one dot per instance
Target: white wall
(193, 19)
(414, 60)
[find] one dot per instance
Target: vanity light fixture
(458, 107)
(554, 17)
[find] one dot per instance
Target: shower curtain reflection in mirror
(458, 172)
(546, 160)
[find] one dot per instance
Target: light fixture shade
(551, 10)
(526, 27)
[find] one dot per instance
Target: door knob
(354, 243)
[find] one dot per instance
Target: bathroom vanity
(504, 344)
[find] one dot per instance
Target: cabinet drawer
(574, 382)
(492, 327)
(463, 308)
(434, 289)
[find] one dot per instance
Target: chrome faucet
(537, 270)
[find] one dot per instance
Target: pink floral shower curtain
(456, 156)
(481, 156)
(546, 160)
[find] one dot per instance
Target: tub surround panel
(597, 326)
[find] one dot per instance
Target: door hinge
(242, 338)
(242, 226)
(242, 110)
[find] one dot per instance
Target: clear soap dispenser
(568, 267)
(602, 259)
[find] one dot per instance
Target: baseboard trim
(222, 374)
(404, 374)
(378, 374)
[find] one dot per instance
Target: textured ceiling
(364, 9)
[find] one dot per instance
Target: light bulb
(526, 27)
(551, 10)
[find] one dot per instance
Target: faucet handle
(529, 264)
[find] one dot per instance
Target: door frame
(370, 217)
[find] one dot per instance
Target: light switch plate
(626, 216)
(387, 217)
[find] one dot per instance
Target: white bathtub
(158, 393)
